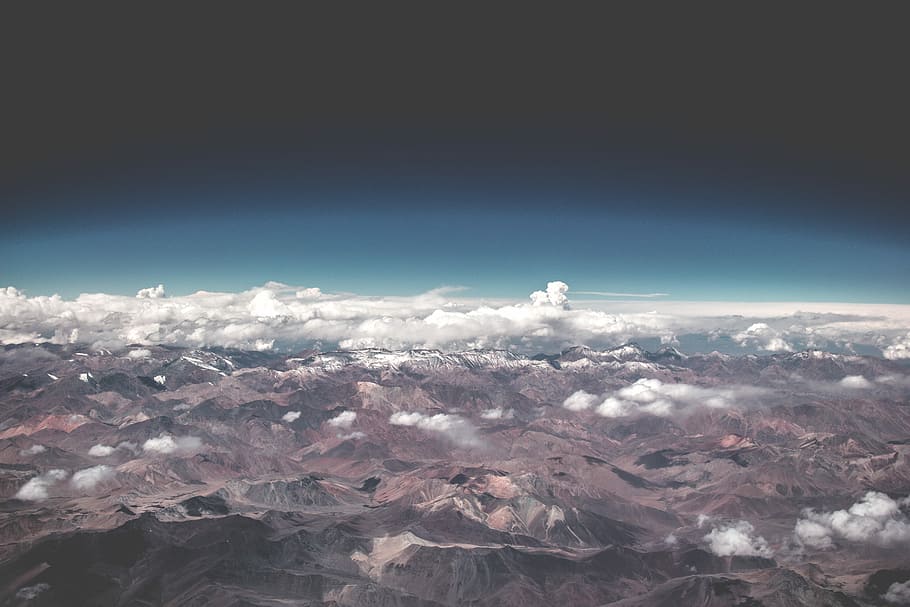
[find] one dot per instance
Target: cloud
(290, 416)
(497, 413)
(37, 488)
(875, 519)
(284, 317)
(139, 353)
(454, 427)
(654, 397)
(898, 593)
(579, 401)
(167, 444)
(555, 295)
(737, 539)
(33, 450)
(28, 593)
(898, 350)
(343, 420)
(352, 435)
(855, 382)
(151, 293)
(101, 450)
(89, 478)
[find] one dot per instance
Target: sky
(388, 160)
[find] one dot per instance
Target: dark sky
(748, 117)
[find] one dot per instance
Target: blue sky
(495, 251)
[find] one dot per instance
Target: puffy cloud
(101, 450)
(89, 478)
(900, 349)
(290, 416)
(454, 427)
(497, 413)
(579, 401)
(898, 593)
(654, 397)
(280, 316)
(875, 519)
(343, 420)
(37, 488)
(855, 382)
(555, 295)
(33, 450)
(151, 293)
(167, 444)
(762, 336)
(737, 539)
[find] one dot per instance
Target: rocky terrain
(165, 476)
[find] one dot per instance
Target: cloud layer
(277, 315)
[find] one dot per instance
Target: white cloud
(875, 519)
(654, 397)
(89, 478)
(454, 427)
(343, 420)
(101, 450)
(139, 353)
(352, 435)
(33, 450)
(280, 316)
(151, 293)
(497, 413)
(855, 382)
(737, 539)
(898, 593)
(37, 488)
(290, 416)
(167, 444)
(579, 401)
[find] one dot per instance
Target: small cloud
(343, 420)
(855, 382)
(671, 540)
(37, 488)
(33, 450)
(167, 444)
(30, 592)
(101, 450)
(139, 353)
(454, 427)
(497, 413)
(555, 295)
(737, 539)
(89, 478)
(352, 435)
(151, 293)
(579, 401)
(290, 416)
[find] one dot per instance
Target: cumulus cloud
(454, 427)
(898, 593)
(89, 478)
(654, 397)
(290, 416)
(343, 420)
(101, 450)
(737, 539)
(37, 488)
(855, 382)
(497, 413)
(875, 519)
(33, 450)
(167, 444)
(281, 316)
(151, 293)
